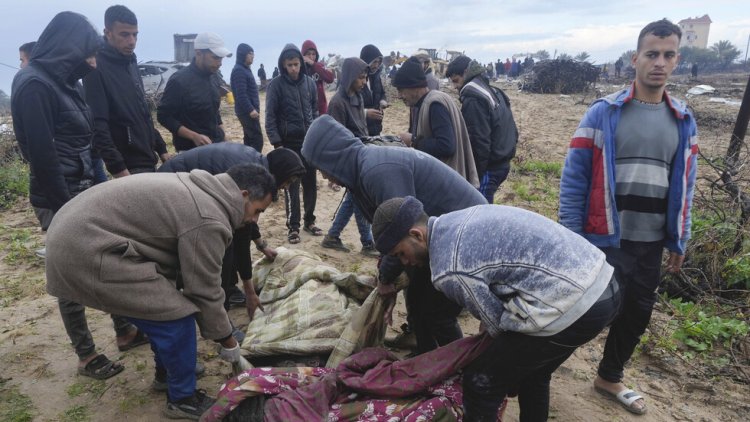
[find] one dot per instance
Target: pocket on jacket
(123, 264)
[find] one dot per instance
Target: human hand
(384, 104)
(405, 138)
(199, 140)
(674, 262)
(374, 114)
(231, 354)
(388, 293)
(254, 115)
(121, 174)
(270, 253)
(252, 302)
(164, 157)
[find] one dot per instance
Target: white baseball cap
(213, 42)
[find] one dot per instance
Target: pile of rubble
(560, 77)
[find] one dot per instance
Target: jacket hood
(333, 149)
(473, 70)
(308, 44)
(370, 53)
(242, 51)
(290, 47)
(350, 70)
(223, 189)
(65, 44)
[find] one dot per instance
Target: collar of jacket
(620, 98)
(195, 69)
(109, 53)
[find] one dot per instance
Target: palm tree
(564, 56)
(542, 55)
(582, 56)
(726, 51)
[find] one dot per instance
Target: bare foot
(616, 388)
(85, 361)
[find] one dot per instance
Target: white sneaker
(41, 253)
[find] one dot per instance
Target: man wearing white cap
(189, 107)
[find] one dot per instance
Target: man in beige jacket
(120, 246)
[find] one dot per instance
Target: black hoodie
(50, 117)
(291, 105)
(124, 133)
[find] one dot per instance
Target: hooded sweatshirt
(349, 109)
(124, 132)
(291, 105)
(373, 92)
(319, 74)
(244, 87)
(125, 260)
(51, 120)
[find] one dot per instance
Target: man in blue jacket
(627, 187)
(374, 174)
(246, 99)
(539, 297)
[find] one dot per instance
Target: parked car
(156, 74)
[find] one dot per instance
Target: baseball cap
(213, 42)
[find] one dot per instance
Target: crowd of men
(161, 251)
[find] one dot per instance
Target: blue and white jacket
(587, 187)
(515, 270)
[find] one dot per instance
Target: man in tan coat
(120, 246)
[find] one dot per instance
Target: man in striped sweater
(627, 187)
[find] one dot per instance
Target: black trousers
(252, 134)
(638, 269)
(517, 363)
(431, 315)
(309, 183)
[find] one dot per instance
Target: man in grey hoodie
(374, 174)
(539, 297)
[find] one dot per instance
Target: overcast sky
(484, 29)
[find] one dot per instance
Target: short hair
(27, 48)
(256, 180)
(119, 13)
(662, 28)
(289, 55)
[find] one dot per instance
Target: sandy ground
(37, 360)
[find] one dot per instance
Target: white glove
(230, 355)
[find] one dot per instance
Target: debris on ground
(560, 77)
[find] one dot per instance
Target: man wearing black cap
(437, 128)
(189, 107)
(492, 130)
(246, 99)
(285, 166)
(539, 297)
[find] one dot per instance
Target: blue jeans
(100, 175)
(175, 350)
(522, 364)
(490, 182)
(346, 209)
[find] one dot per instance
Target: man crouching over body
(119, 246)
(540, 291)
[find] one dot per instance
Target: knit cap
(284, 164)
(392, 221)
(410, 75)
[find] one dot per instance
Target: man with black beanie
(492, 130)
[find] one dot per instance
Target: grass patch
(20, 245)
(94, 388)
(14, 181)
(76, 413)
(132, 402)
(24, 286)
(539, 167)
(15, 406)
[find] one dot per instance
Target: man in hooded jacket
(318, 72)
(373, 92)
(492, 130)
(246, 99)
(376, 174)
(291, 107)
(54, 129)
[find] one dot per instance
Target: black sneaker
(160, 377)
(334, 243)
(190, 407)
(369, 250)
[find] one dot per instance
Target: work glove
(231, 355)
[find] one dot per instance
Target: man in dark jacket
(263, 78)
(373, 93)
(189, 107)
(376, 174)
(291, 107)
(246, 100)
(124, 134)
(285, 166)
(318, 72)
(53, 127)
(492, 130)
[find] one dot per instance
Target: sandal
(139, 339)
(293, 237)
(313, 230)
(100, 368)
(626, 398)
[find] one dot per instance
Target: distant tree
(582, 56)
(702, 56)
(4, 100)
(542, 55)
(726, 52)
(564, 56)
(627, 57)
